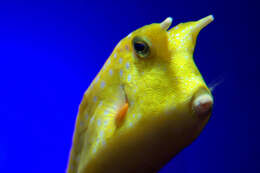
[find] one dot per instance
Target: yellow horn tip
(166, 23)
(204, 22)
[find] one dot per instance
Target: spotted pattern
(86, 116)
(121, 73)
(101, 120)
(91, 120)
(120, 60)
(98, 122)
(102, 85)
(129, 78)
(127, 65)
(108, 61)
(110, 72)
(100, 104)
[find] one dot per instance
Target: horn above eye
(166, 23)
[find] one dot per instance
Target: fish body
(146, 104)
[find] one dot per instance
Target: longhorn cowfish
(147, 103)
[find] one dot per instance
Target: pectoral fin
(120, 116)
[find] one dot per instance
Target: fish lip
(202, 103)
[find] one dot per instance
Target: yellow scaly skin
(160, 120)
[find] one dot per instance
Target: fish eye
(141, 47)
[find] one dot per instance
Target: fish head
(159, 75)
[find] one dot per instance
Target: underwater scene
(129, 86)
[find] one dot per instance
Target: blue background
(51, 50)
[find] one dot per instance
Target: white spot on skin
(129, 78)
(81, 124)
(120, 60)
(97, 78)
(95, 98)
(91, 120)
(111, 72)
(130, 124)
(108, 61)
(86, 116)
(121, 73)
(95, 149)
(115, 55)
(102, 85)
(100, 104)
(133, 115)
(98, 122)
(127, 65)
(105, 122)
(101, 135)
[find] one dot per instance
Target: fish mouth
(202, 103)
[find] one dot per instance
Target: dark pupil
(139, 47)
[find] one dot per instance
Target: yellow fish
(147, 103)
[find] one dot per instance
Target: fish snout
(202, 103)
